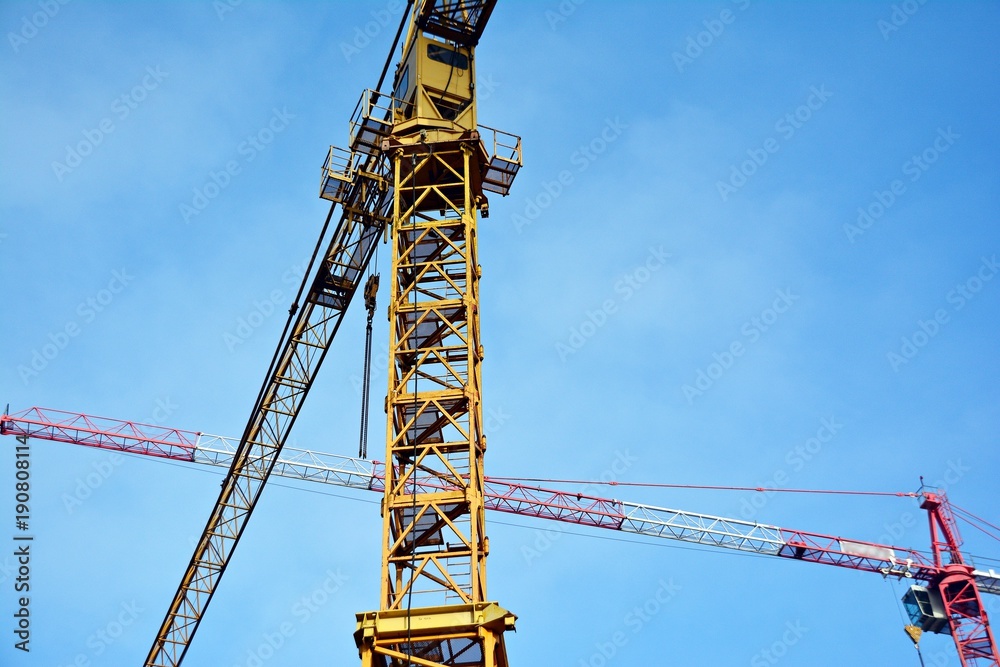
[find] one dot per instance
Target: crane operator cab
(435, 87)
(926, 609)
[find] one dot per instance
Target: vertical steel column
(434, 609)
(967, 619)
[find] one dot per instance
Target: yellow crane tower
(416, 172)
(434, 605)
(416, 175)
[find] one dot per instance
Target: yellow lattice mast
(434, 605)
(417, 169)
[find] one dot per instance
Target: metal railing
(504, 159)
(372, 121)
(337, 175)
(501, 145)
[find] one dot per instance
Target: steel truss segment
(295, 463)
(511, 498)
(459, 21)
(702, 529)
(967, 617)
(432, 523)
(957, 585)
(857, 555)
(101, 432)
(556, 505)
(987, 582)
(424, 479)
(253, 459)
(524, 500)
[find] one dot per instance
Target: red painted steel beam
(148, 440)
(103, 433)
(963, 604)
(533, 501)
(954, 580)
(853, 554)
(508, 497)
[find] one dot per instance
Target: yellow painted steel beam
(433, 597)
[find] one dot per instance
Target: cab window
(447, 56)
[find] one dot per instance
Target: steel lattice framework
(434, 543)
(365, 181)
(434, 608)
(434, 539)
(956, 584)
(418, 169)
(521, 499)
(960, 584)
(303, 347)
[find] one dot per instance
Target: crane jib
(519, 499)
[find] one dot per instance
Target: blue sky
(735, 220)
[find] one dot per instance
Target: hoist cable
(371, 289)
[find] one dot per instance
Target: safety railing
(338, 173)
(372, 121)
(504, 150)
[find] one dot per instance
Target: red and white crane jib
(502, 496)
(79, 429)
(955, 587)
